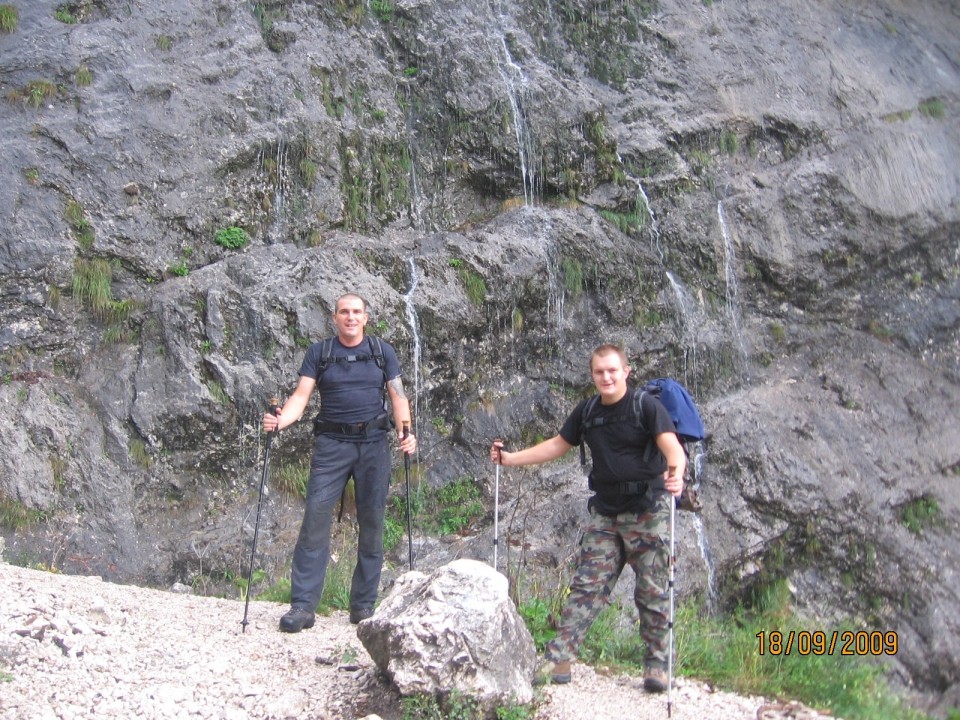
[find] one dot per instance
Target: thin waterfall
(516, 83)
(732, 287)
(654, 225)
(689, 324)
(684, 303)
(698, 456)
(414, 322)
(513, 77)
(643, 200)
(643, 206)
(704, 546)
(280, 194)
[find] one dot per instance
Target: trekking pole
(673, 559)
(496, 509)
(274, 409)
(406, 472)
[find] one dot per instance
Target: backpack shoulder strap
(326, 357)
(376, 350)
(588, 407)
(637, 406)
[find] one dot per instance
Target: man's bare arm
(397, 386)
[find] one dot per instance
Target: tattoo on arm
(397, 385)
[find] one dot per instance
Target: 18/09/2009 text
(820, 642)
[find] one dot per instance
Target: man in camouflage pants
(638, 468)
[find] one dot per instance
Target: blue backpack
(683, 411)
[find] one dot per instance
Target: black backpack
(375, 354)
(683, 411)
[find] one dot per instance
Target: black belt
(633, 487)
(380, 422)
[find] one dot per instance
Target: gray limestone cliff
(760, 199)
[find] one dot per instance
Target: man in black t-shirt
(351, 440)
(638, 468)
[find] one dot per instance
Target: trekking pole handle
(273, 407)
(406, 471)
(671, 471)
(499, 450)
(405, 434)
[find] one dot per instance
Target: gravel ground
(77, 647)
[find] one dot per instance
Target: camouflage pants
(641, 541)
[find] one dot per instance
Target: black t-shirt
(622, 452)
(351, 392)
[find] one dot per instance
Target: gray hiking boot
(358, 615)
(296, 619)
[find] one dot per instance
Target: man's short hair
(609, 349)
(336, 305)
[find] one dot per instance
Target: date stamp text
(819, 642)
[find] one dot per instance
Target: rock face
(455, 630)
(758, 199)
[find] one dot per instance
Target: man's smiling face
(350, 319)
(609, 376)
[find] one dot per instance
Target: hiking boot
(296, 619)
(555, 672)
(654, 680)
(358, 614)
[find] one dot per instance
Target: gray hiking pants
(334, 462)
